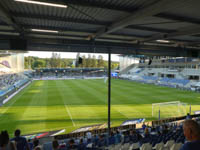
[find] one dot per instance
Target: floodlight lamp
(163, 41)
(42, 3)
(40, 30)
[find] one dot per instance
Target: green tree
(100, 61)
(94, 62)
(83, 62)
(65, 63)
(26, 63)
(39, 63)
(55, 61)
(88, 61)
(47, 63)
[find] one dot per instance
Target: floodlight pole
(109, 89)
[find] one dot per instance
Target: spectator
(126, 137)
(71, 144)
(133, 136)
(81, 146)
(146, 133)
(117, 137)
(165, 129)
(21, 142)
(95, 139)
(30, 144)
(111, 138)
(37, 148)
(4, 142)
(192, 133)
(102, 141)
(143, 126)
(89, 135)
(89, 144)
(188, 117)
(62, 145)
(35, 142)
(55, 145)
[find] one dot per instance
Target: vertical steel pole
(109, 89)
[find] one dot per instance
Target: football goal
(169, 109)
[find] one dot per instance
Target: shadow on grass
(8, 122)
(68, 120)
(93, 103)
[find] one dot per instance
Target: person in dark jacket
(21, 142)
(192, 133)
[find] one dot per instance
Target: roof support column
(109, 89)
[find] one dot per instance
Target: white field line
(67, 109)
(122, 113)
(15, 93)
(11, 96)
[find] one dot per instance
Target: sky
(114, 57)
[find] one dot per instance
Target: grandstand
(11, 74)
(172, 72)
(69, 73)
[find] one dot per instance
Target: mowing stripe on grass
(102, 86)
(122, 113)
(66, 107)
(84, 97)
(50, 105)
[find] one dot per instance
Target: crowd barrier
(96, 131)
(126, 127)
(170, 120)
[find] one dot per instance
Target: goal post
(169, 109)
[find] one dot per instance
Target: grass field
(70, 104)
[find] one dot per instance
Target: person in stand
(5, 144)
(36, 142)
(143, 126)
(21, 142)
(188, 117)
(55, 145)
(192, 133)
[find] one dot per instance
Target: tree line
(89, 61)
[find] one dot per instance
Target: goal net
(169, 109)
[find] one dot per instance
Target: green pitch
(70, 104)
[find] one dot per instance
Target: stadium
(142, 101)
